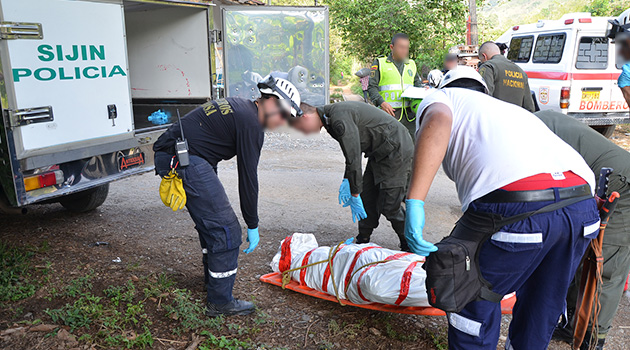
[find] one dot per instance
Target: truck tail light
(565, 95)
(43, 180)
(585, 20)
(568, 21)
(515, 28)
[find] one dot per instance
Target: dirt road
(299, 181)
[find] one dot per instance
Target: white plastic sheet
(360, 273)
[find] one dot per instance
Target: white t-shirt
(494, 143)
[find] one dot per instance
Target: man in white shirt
(505, 162)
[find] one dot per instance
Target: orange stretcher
(275, 278)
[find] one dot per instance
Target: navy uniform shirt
(220, 130)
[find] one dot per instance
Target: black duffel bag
(453, 275)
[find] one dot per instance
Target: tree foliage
(605, 8)
(366, 26)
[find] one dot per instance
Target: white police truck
(87, 86)
(572, 68)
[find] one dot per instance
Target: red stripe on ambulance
(572, 76)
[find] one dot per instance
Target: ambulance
(87, 86)
(572, 68)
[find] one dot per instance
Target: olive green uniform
(600, 152)
(507, 82)
(405, 115)
(360, 128)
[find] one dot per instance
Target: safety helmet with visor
(466, 77)
(619, 26)
(287, 94)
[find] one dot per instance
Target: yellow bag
(172, 191)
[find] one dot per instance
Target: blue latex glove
(414, 223)
(344, 192)
(252, 238)
(349, 241)
(356, 205)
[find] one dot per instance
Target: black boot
(564, 330)
(233, 308)
(364, 235)
(399, 228)
(586, 344)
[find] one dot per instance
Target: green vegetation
(16, 282)
(497, 16)
(190, 313)
(367, 26)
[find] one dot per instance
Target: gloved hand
(253, 238)
(356, 205)
(344, 192)
(172, 191)
(414, 223)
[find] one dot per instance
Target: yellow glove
(172, 191)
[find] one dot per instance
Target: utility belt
(453, 275)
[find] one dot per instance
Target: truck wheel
(606, 130)
(87, 200)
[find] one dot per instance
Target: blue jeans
(215, 221)
(535, 257)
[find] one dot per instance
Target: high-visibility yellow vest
(392, 84)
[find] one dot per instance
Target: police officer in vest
(390, 76)
(506, 80)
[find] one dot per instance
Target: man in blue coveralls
(215, 131)
(504, 167)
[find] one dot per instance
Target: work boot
(586, 344)
(233, 308)
(564, 330)
(364, 236)
(399, 228)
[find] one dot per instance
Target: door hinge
(216, 36)
(21, 30)
(26, 116)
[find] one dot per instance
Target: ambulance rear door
(289, 42)
(594, 75)
(66, 75)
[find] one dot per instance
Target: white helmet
(286, 92)
(462, 72)
(621, 25)
(435, 77)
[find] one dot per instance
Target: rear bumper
(89, 172)
(597, 119)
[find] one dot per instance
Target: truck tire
(606, 130)
(87, 200)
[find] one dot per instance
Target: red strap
(285, 255)
(354, 262)
(404, 283)
(391, 257)
(327, 271)
(304, 263)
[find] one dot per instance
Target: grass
(16, 281)
(190, 313)
(356, 88)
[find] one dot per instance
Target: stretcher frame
(275, 279)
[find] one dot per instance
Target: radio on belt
(181, 146)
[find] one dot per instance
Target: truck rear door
(66, 74)
(593, 75)
(291, 42)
